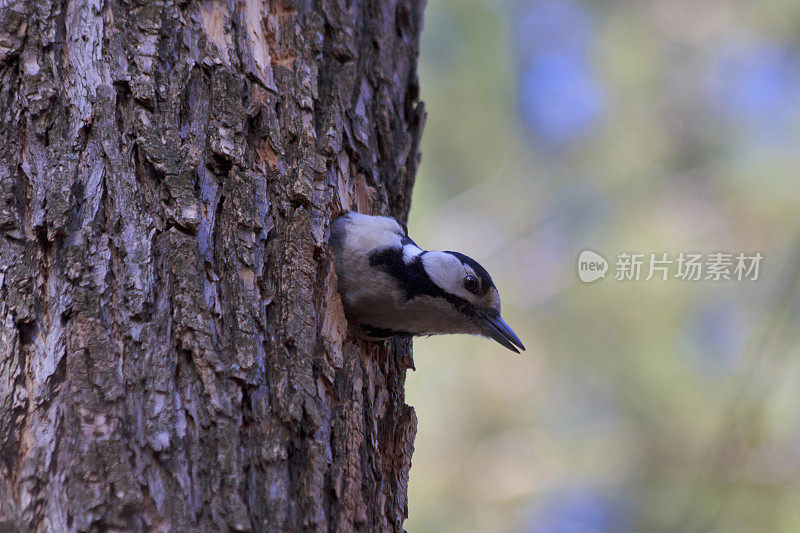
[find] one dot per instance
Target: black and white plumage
(390, 286)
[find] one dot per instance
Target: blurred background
(659, 126)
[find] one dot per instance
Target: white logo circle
(591, 266)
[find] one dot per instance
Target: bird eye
(471, 284)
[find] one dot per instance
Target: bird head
(469, 290)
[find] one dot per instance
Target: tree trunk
(172, 345)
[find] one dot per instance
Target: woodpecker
(391, 287)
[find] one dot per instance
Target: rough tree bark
(172, 346)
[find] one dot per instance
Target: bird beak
(496, 328)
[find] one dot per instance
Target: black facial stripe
(483, 275)
(382, 333)
(413, 278)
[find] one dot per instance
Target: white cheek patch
(445, 271)
(410, 252)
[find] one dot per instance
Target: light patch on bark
(364, 195)
(344, 185)
(214, 17)
(334, 323)
(259, 47)
(248, 278)
(84, 26)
